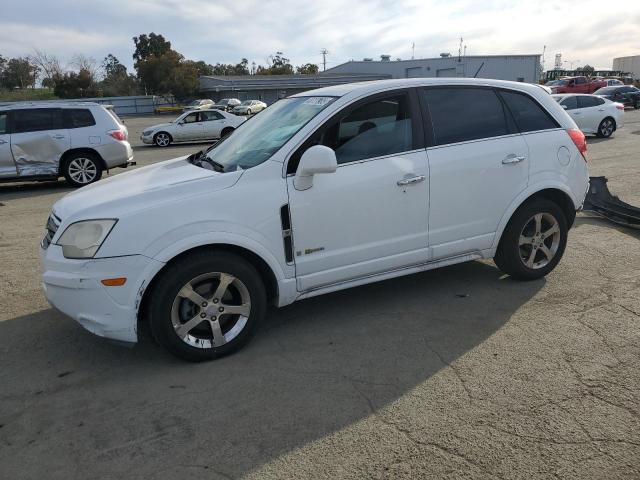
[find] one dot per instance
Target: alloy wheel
(539, 240)
(211, 310)
(162, 139)
(82, 170)
(606, 128)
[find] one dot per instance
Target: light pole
(571, 62)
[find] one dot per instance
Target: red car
(575, 85)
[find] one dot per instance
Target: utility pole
(413, 50)
(324, 53)
(460, 50)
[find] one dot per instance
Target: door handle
(57, 137)
(411, 180)
(512, 159)
(601, 109)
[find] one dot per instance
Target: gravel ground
(453, 373)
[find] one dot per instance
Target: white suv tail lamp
(579, 140)
(118, 135)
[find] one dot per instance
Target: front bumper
(147, 139)
(74, 287)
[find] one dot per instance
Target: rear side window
(78, 118)
(529, 116)
(587, 102)
(114, 115)
(35, 120)
(463, 114)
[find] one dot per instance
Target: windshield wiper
(217, 166)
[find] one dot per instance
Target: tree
(82, 62)
(112, 68)
(277, 65)
(116, 81)
(241, 68)
(148, 46)
(48, 65)
(75, 85)
(587, 69)
(201, 67)
(19, 73)
(307, 69)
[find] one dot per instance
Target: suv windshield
(257, 139)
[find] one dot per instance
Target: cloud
(349, 29)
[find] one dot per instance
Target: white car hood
(140, 189)
(159, 126)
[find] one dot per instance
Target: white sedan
(194, 126)
(249, 107)
(593, 114)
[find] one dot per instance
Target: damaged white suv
(325, 190)
(74, 140)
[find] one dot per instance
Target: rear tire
(80, 169)
(533, 241)
(188, 303)
(607, 127)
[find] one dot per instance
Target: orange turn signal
(114, 282)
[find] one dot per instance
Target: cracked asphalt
(453, 373)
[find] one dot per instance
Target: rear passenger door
(7, 166)
(478, 162)
(38, 140)
(591, 110)
(213, 123)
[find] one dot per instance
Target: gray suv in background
(77, 141)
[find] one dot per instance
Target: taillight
(579, 140)
(117, 134)
(619, 106)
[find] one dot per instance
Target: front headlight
(146, 133)
(83, 239)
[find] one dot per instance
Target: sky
(584, 31)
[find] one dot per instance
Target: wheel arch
(260, 264)
(555, 194)
(86, 150)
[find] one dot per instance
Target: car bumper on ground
(74, 287)
(147, 139)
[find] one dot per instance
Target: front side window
(191, 118)
(255, 141)
(34, 120)
(375, 129)
(571, 103)
(588, 102)
(3, 123)
(527, 113)
(581, 81)
(464, 114)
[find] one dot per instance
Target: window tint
(78, 118)
(463, 114)
(191, 118)
(381, 127)
(581, 81)
(210, 115)
(34, 120)
(587, 102)
(571, 103)
(114, 115)
(3, 123)
(529, 116)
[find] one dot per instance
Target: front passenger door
(370, 215)
(190, 128)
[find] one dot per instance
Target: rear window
(114, 115)
(464, 114)
(78, 118)
(529, 116)
(587, 102)
(35, 120)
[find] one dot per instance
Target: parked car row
(581, 84)
(247, 107)
(592, 113)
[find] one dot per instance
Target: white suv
(77, 141)
(324, 190)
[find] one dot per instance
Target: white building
(520, 68)
(628, 64)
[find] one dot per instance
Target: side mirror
(565, 107)
(316, 159)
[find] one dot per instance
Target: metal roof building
(270, 88)
(628, 64)
(520, 68)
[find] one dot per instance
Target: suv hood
(140, 189)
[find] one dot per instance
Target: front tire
(207, 305)
(80, 169)
(607, 127)
(534, 240)
(162, 139)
